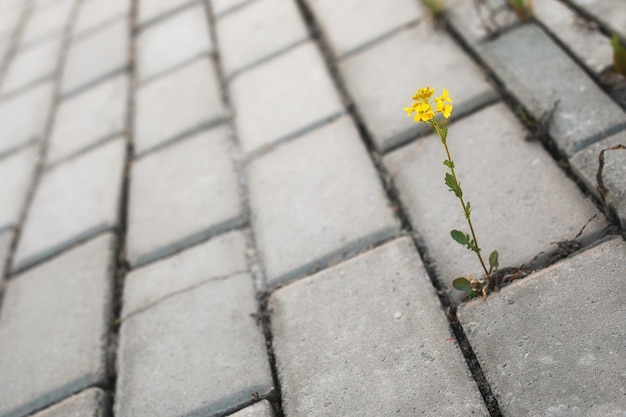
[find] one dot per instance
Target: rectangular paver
(221, 7)
(85, 119)
(283, 97)
(92, 402)
(23, 118)
(16, 174)
(47, 21)
(178, 105)
(151, 10)
(258, 31)
(73, 201)
(260, 409)
(216, 259)
(522, 203)
(95, 57)
(553, 343)
(181, 194)
(197, 353)
(95, 14)
(608, 12)
(169, 43)
(53, 329)
(369, 20)
(315, 199)
(368, 337)
(6, 237)
(382, 79)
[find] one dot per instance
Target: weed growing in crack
(435, 7)
(523, 9)
(619, 55)
(422, 110)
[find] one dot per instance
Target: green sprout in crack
(523, 9)
(435, 7)
(422, 110)
(619, 55)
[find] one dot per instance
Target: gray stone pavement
(218, 208)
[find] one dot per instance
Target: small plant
(435, 7)
(619, 55)
(523, 9)
(422, 111)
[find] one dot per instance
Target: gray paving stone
(369, 20)
(94, 14)
(516, 209)
(73, 201)
(32, 65)
(588, 44)
(23, 118)
(215, 259)
(316, 199)
(89, 117)
(6, 236)
(95, 57)
(543, 74)
(16, 175)
(368, 337)
(54, 326)
(258, 31)
(223, 6)
(172, 42)
(92, 402)
(177, 105)
(553, 343)
(150, 10)
(608, 12)
(47, 21)
(198, 353)
(383, 78)
(585, 162)
(260, 409)
(198, 177)
(9, 19)
(283, 97)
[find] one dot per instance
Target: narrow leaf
(461, 284)
(468, 210)
(493, 259)
(460, 237)
(619, 55)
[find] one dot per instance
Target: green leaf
(460, 237)
(449, 164)
(468, 210)
(452, 185)
(493, 259)
(461, 284)
(619, 55)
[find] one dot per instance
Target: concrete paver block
(174, 41)
(151, 10)
(258, 31)
(553, 343)
(515, 209)
(198, 177)
(260, 409)
(177, 105)
(85, 119)
(224, 360)
(223, 6)
(47, 21)
(382, 79)
(6, 237)
(314, 199)
(368, 337)
(9, 19)
(542, 75)
(215, 259)
(73, 201)
(608, 12)
(92, 402)
(283, 97)
(95, 57)
(32, 65)
(16, 175)
(23, 118)
(95, 14)
(369, 20)
(587, 43)
(54, 327)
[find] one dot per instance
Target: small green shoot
(435, 7)
(619, 55)
(523, 9)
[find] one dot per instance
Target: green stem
(469, 221)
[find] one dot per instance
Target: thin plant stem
(467, 217)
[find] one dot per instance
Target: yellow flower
(422, 106)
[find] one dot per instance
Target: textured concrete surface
(54, 326)
(260, 409)
(374, 319)
(530, 344)
(32, 66)
(303, 197)
(16, 173)
(92, 402)
(96, 14)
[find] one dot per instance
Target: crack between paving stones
(255, 266)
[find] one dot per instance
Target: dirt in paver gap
(263, 315)
(43, 146)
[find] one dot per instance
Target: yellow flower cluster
(422, 106)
